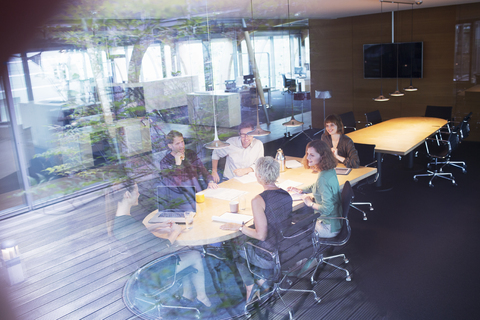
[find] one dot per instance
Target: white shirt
(238, 156)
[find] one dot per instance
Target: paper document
(292, 164)
(232, 217)
(296, 196)
(223, 193)
(250, 177)
(288, 183)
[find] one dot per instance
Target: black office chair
(295, 248)
(439, 112)
(462, 130)
(151, 292)
(349, 123)
(289, 85)
(366, 154)
(373, 117)
(439, 149)
(344, 235)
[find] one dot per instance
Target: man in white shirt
(242, 153)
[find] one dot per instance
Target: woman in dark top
(272, 212)
(136, 236)
(341, 145)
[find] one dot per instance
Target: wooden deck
(74, 272)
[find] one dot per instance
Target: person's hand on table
(293, 189)
(230, 226)
(163, 227)
(212, 185)
(216, 177)
(242, 171)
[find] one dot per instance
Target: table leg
(378, 184)
(410, 160)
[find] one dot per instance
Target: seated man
(182, 167)
(242, 153)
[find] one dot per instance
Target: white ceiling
(272, 9)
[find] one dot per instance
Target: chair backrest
(347, 197)
(439, 112)
(366, 153)
(454, 138)
(297, 242)
(373, 117)
(349, 123)
(284, 81)
(465, 127)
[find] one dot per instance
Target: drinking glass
(188, 219)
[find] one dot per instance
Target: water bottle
(280, 159)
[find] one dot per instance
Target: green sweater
(326, 192)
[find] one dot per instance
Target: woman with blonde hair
(326, 190)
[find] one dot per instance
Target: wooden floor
(73, 272)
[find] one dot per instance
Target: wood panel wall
(336, 53)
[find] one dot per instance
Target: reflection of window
(476, 53)
(462, 52)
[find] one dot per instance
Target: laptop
(172, 202)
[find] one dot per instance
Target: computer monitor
(248, 79)
(298, 70)
(230, 85)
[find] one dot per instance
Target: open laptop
(172, 202)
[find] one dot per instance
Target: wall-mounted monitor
(410, 60)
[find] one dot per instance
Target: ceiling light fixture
(381, 97)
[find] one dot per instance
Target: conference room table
(399, 136)
(205, 231)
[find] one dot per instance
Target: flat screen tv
(406, 66)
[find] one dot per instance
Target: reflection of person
(135, 235)
(326, 190)
(341, 145)
(182, 167)
(242, 153)
(271, 213)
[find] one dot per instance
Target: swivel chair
(439, 149)
(344, 235)
(349, 123)
(296, 247)
(373, 117)
(289, 85)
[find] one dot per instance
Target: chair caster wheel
(349, 278)
(464, 171)
(289, 282)
(430, 185)
(365, 219)
(371, 209)
(317, 299)
(346, 260)
(415, 179)
(313, 282)
(454, 184)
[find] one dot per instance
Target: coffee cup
(234, 206)
(200, 197)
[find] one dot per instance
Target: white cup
(234, 206)
(188, 220)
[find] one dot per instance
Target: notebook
(172, 202)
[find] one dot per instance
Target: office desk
(398, 136)
(205, 231)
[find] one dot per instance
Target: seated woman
(272, 212)
(326, 190)
(341, 145)
(134, 234)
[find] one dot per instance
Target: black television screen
(406, 66)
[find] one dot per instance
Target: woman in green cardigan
(326, 190)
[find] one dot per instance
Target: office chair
(462, 130)
(439, 149)
(296, 247)
(373, 117)
(439, 112)
(349, 123)
(152, 290)
(366, 154)
(342, 237)
(289, 84)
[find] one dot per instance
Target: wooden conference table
(205, 231)
(398, 136)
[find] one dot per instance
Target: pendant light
(381, 97)
(411, 88)
(397, 92)
(258, 131)
(292, 122)
(216, 143)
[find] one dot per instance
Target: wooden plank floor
(71, 273)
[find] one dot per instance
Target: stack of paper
(292, 164)
(288, 183)
(223, 193)
(232, 217)
(250, 177)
